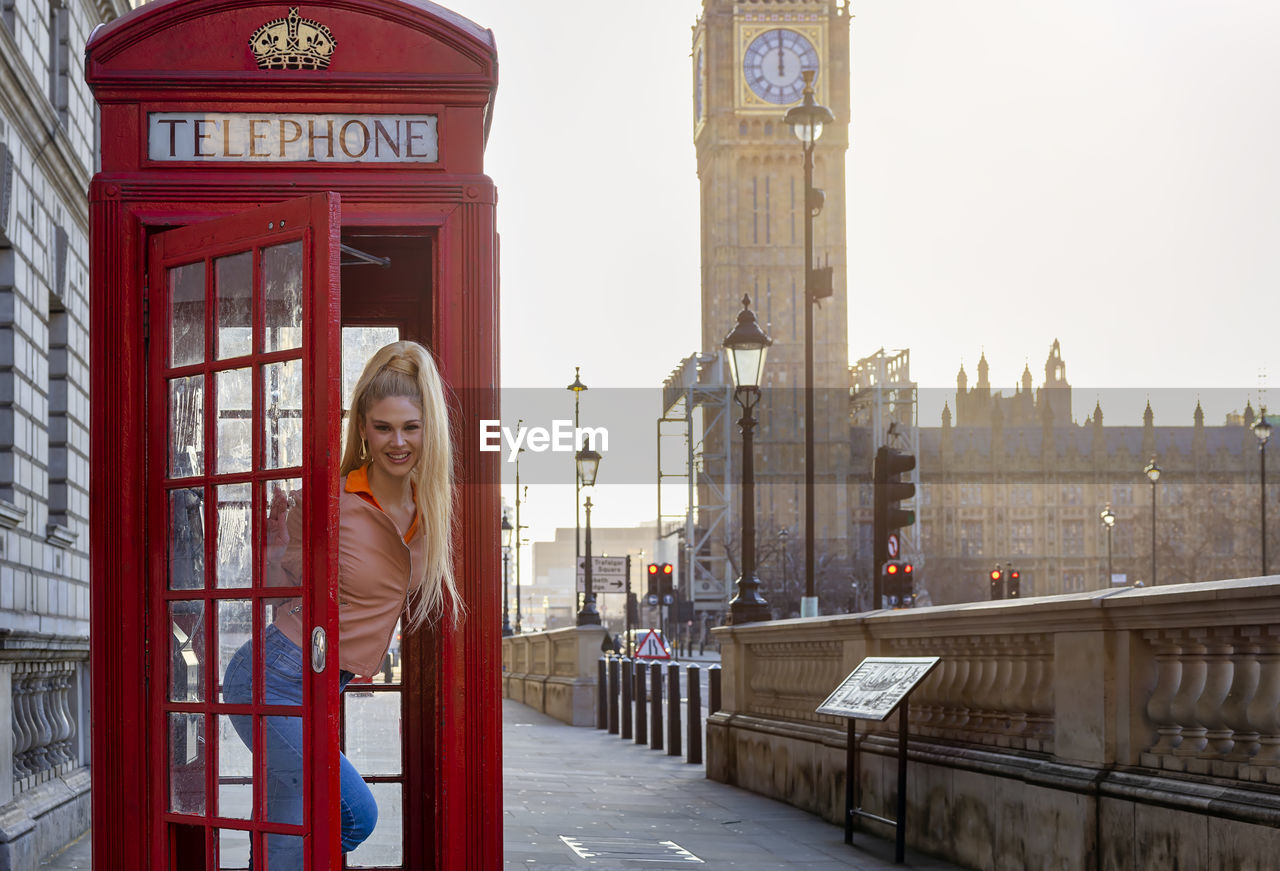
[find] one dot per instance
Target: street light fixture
(1262, 430)
(577, 387)
(747, 345)
(1152, 472)
(1109, 521)
(588, 462)
(807, 121)
(507, 529)
(784, 534)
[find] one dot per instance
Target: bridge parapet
(1052, 724)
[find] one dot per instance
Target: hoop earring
(364, 447)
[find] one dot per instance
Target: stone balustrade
(1102, 727)
(554, 672)
(45, 732)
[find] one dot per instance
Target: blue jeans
(282, 661)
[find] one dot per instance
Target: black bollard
(642, 734)
(613, 696)
(627, 681)
(602, 694)
(713, 689)
(695, 716)
(673, 707)
(655, 708)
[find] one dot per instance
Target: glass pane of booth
(233, 850)
(186, 651)
(235, 539)
(371, 724)
(186, 426)
(283, 544)
(186, 763)
(282, 420)
(385, 846)
(235, 431)
(288, 778)
(235, 767)
(186, 314)
(235, 628)
(282, 296)
(186, 539)
(233, 290)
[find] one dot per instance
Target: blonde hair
(405, 369)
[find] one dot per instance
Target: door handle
(319, 649)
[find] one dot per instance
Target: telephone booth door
(243, 392)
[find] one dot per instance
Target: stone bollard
(628, 682)
(673, 708)
(602, 694)
(613, 695)
(655, 707)
(642, 736)
(695, 713)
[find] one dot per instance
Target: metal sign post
(873, 691)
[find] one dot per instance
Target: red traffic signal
(997, 583)
(995, 574)
(667, 569)
(1015, 583)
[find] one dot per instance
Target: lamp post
(1109, 521)
(1262, 430)
(577, 387)
(747, 346)
(1153, 474)
(806, 122)
(507, 529)
(784, 534)
(588, 462)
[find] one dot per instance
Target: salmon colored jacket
(375, 564)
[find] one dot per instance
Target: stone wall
(554, 672)
(1110, 730)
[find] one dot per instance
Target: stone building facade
(1013, 480)
(47, 154)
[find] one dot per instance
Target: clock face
(773, 62)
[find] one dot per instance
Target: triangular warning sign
(651, 647)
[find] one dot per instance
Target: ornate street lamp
(1108, 519)
(577, 387)
(784, 534)
(807, 121)
(1262, 430)
(1152, 472)
(507, 529)
(588, 464)
(747, 346)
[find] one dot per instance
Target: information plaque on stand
(873, 691)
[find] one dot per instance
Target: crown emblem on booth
(292, 43)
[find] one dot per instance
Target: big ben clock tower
(748, 57)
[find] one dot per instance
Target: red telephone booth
(283, 189)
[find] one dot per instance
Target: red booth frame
(172, 55)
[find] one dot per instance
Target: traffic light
(898, 587)
(889, 491)
(997, 583)
(1015, 583)
(653, 570)
(668, 579)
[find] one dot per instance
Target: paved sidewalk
(579, 798)
(576, 798)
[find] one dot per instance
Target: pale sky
(1102, 173)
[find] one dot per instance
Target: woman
(394, 553)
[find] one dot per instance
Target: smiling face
(393, 431)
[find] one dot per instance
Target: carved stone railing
(1075, 709)
(554, 672)
(45, 732)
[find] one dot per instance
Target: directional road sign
(608, 574)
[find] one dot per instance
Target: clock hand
(781, 71)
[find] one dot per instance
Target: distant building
(550, 601)
(1012, 480)
(47, 120)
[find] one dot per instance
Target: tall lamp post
(784, 534)
(507, 529)
(1109, 521)
(1262, 430)
(588, 464)
(747, 345)
(577, 387)
(806, 122)
(1153, 474)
